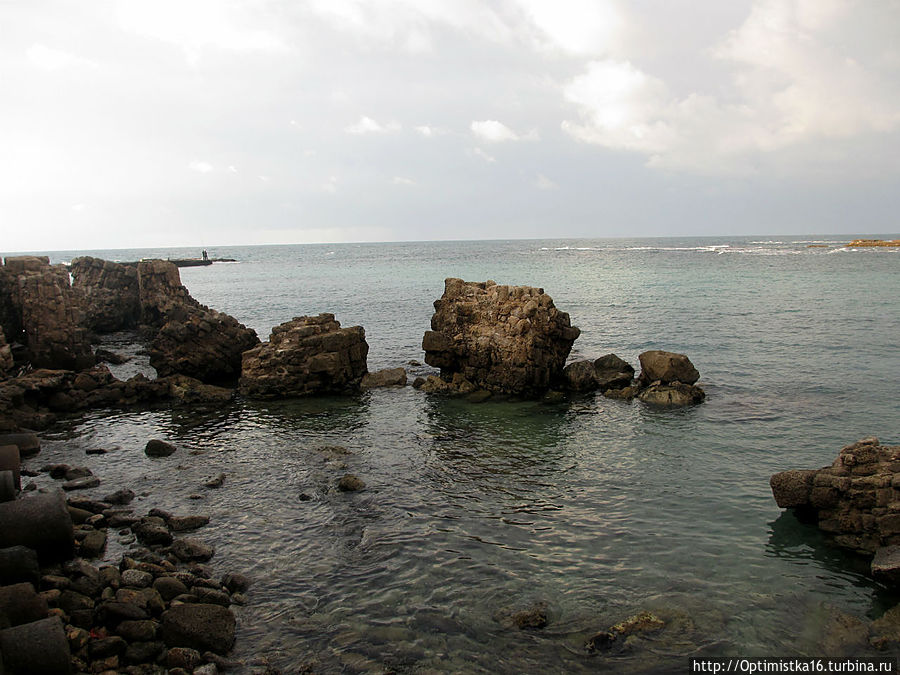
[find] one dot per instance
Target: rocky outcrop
(307, 355)
(503, 339)
(606, 373)
(205, 344)
(45, 312)
(111, 293)
(6, 358)
(161, 294)
(856, 500)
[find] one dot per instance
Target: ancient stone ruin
(40, 310)
(307, 355)
(502, 339)
(856, 500)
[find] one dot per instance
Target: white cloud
(47, 58)
(493, 131)
(401, 180)
(478, 152)
(544, 183)
(429, 131)
(200, 167)
(366, 125)
(582, 27)
(791, 84)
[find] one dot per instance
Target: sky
(128, 123)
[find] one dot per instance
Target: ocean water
(596, 508)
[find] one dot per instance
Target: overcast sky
(211, 122)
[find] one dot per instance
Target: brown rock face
(110, 291)
(667, 367)
(193, 339)
(856, 499)
(6, 357)
(45, 312)
(308, 355)
(504, 339)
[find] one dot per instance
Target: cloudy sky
(213, 122)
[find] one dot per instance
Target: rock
(533, 617)
(158, 448)
(212, 596)
(48, 313)
(78, 472)
(191, 391)
(144, 652)
(136, 578)
(113, 612)
(10, 460)
(93, 545)
(106, 356)
(886, 628)
(84, 483)
(111, 293)
(199, 626)
(505, 339)
(7, 362)
(184, 523)
(27, 443)
(307, 355)
(216, 482)
(40, 522)
(151, 533)
(190, 548)
(611, 372)
(886, 564)
(18, 564)
(193, 339)
(183, 657)
(101, 648)
(624, 394)
(123, 496)
(667, 367)
(579, 376)
(856, 500)
(642, 622)
(674, 394)
(36, 648)
(169, 587)
(350, 483)
(389, 377)
(236, 583)
(19, 603)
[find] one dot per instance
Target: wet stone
(104, 647)
(169, 587)
(236, 583)
(158, 448)
(189, 548)
(212, 596)
(350, 483)
(120, 497)
(82, 483)
(184, 523)
(136, 578)
(93, 545)
(183, 657)
(144, 652)
(137, 631)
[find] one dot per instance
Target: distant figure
(205, 255)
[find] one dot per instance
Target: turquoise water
(597, 508)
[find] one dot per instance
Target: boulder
(672, 394)
(158, 448)
(504, 339)
(18, 564)
(307, 355)
(611, 372)
(389, 377)
(20, 603)
(37, 648)
(579, 376)
(27, 443)
(856, 500)
(667, 367)
(40, 522)
(111, 293)
(198, 626)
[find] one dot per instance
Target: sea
(589, 510)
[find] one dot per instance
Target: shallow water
(598, 508)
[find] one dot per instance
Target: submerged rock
(389, 377)
(350, 483)
(307, 355)
(504, 339)
(199, 626)
(158, 448)
(674, 394)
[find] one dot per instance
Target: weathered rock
(190, 548)
(121, 496)
(150, 533)
(185, 523)
(667, 367)
(11, 461)
(579, 376)
(886, 564)
(20, 603)
(673, 394)
(350, 483)
(158, 448)
(138, 631)
(40, 522)
(18, 564)
(307, 355)
(505, 339)
(389, 377)
(7, 363)
(611, 372)
(169, 587)
(236, 583)
(192, 391)
(856, 499)
(111, 293)
(37, 648)
(50, 314)
(135, 578)
(199, 626)
(533, 617)
(27, 443)
(93, 545)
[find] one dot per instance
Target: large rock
(667, 367)
(856, 500)
(111, 293)
(46, 313)
(612, 372)
(308, 355)
(6, 356)
(504, 339)
(198, 626)
(192, 339)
